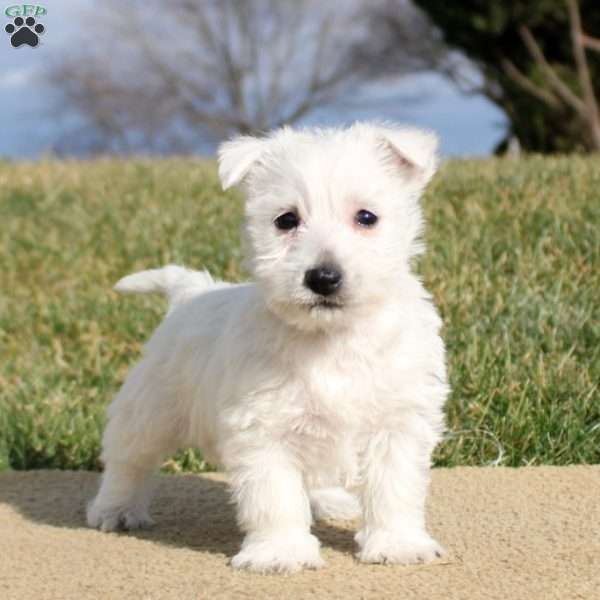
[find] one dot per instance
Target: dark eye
(287, 221)
(366, 218)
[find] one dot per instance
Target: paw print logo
(24, 32)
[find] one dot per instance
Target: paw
(283, 552)
(24, 31)
(334, 503)
(120, 518)
(396, 547)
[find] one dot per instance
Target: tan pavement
(530, 533)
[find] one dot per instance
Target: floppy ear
(236, 158)
(412, 151)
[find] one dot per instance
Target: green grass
(513, 262)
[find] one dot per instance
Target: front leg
(396, 476)
(274, 512)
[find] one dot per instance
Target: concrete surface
(530, 533)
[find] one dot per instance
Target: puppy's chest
(329, 415)
(335, 394)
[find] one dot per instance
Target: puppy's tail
(177, 283)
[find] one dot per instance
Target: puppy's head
(332, 216)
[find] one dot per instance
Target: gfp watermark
(25, 30)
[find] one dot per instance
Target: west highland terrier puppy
(320, 387)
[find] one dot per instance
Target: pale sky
(467, 125)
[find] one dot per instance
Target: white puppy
(327, 373)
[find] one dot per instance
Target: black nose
(323, 280)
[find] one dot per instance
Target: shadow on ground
(191, 511)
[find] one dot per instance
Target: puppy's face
(332, 216)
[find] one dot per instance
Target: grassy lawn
(513, 262)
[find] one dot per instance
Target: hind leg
(123, 499)
(334, 503)
(139, 436)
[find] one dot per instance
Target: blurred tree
(167, 77)
(539, 61)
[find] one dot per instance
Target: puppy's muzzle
(326, 279)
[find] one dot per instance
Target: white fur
(291, 397)
(177, 283)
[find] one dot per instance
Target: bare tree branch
(591, 42)
(521, 79)
(583, 72)
(560, 87)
